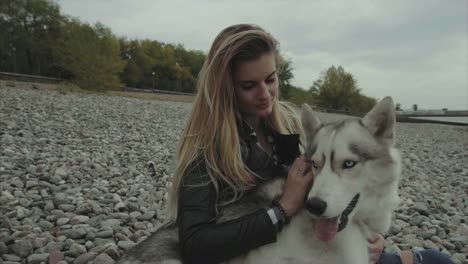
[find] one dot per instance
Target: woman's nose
(264, 92)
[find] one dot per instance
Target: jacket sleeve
(202, 239)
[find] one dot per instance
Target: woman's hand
(375, 247)
(298, 183)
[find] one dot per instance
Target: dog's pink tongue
(326, 228)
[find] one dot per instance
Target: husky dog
(355, 192)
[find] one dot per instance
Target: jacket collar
(286, 145)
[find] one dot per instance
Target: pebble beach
(84, 177)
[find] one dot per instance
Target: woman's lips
(264, 105)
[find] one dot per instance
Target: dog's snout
(316, 206)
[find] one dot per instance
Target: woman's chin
(264, 112)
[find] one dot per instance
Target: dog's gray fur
(370, 141)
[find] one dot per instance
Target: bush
(11, 84)
(65, 88)
(35, 87)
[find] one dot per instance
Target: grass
(66, 88)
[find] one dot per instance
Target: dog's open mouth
(326, 228)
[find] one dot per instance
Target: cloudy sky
(415, 51)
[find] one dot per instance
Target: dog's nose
(316, 206)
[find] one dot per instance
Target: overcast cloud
(415, 51)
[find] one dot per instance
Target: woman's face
(256, 84)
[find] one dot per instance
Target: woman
(237, 136)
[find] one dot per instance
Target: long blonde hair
(211, 133)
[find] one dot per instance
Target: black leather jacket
(204, 241)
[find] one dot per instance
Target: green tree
(28, 33)
(300, 96)
(361, 104)
(285, 76)
(92, 55)
(336, 89)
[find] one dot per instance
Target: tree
(335, 89)
(362, 104)
(398, 107)
(28, 33)
(92, 55)
(415, 107)
(285, 76)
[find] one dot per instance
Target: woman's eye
(348, 164)
(246, 86)
(271, 80)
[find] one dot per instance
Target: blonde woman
(238, 135)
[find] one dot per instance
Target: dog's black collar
(347, 211)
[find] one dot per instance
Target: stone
(102, 241)
(55, 256)
(46, 225)
(22, 248)
(38, 258)
(11, 257)
(79, 219)
(76, 249)
(126, 245)
(85, 258)
(3, 248)
(105, 233)
(103, 258)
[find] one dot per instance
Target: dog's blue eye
(348, 164)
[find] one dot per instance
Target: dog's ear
(381, 121)
(310, 121)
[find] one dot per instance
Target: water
(458, 119)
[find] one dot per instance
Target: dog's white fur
(375, 179)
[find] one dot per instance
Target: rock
(46, 225)
(105, 233)
(63, 221)
(79, 219)
(67, 207)
(112, 251)
(73, 233)
(61, 172)
(112, 223)
(40, 242)
(430, 245)
(22, 248)
(55, 257)
(418, 220)
(11, 257)
(54, 246)
(3, 248)
(38, 258)
(459, 256)
(126, 245)
(76, 250)
(147, 216)
(103, 258)
(101, 241)
(85, 258)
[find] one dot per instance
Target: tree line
(35, 38)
